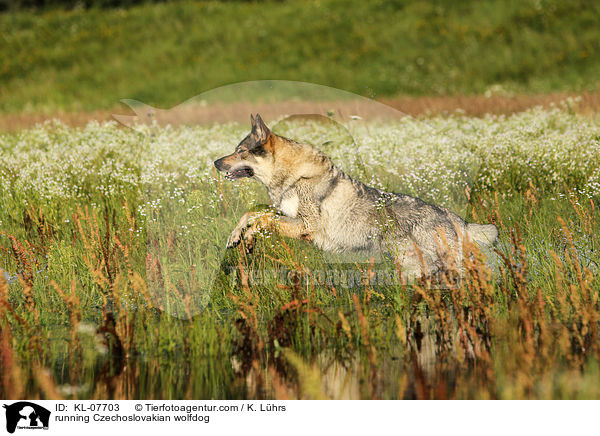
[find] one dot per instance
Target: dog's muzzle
(237, 173)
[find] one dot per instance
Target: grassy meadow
(116, 282)
(163, 54)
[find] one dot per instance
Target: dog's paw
(250, 224)
(235, 238)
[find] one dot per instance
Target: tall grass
(116, 283)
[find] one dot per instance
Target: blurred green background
(85, 55)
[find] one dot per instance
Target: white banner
(297, 417)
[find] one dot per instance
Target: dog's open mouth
(238, 173)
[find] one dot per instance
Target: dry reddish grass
(476, 105)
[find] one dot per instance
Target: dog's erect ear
(260, 130)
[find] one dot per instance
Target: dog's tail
(485, 234)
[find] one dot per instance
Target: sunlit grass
(165, 53)
(107, 233)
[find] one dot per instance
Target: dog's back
(422, 237)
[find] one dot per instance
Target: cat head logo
(26, 415)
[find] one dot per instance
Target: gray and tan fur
(319, 203)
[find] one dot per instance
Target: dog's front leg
(236, 236)
(271, 222)
(253, 222)
(293, 228)
(249, 224)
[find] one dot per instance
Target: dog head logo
(26, 415)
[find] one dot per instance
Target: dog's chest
(289, 205)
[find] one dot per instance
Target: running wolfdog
(319, 203)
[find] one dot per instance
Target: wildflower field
(116, 282)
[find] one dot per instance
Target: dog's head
(252, 157)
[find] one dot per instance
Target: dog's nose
(219, 164)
